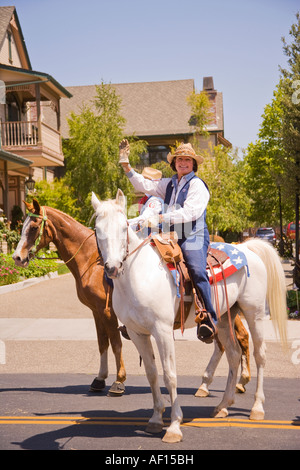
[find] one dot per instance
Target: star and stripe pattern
(236, 260)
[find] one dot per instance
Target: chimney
(208, 84)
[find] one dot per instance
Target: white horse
(145, 300)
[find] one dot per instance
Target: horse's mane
(65, 216)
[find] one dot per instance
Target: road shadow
(122, 426)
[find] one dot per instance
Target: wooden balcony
(33, 140)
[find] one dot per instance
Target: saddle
(167, 245)
(170, 251)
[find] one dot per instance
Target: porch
(33, 139)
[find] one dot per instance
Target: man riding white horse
(186, 197)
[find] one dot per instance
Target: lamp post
(30, 183)
(296, 271)
(281, 242)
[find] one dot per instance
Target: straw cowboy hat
(185, 150)
(151, 173)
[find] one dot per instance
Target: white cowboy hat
(151, 173)
(185, 150)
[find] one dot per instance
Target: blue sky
(120, 41)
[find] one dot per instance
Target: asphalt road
(57, 412)
(49, 357)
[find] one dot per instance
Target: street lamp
(30, 183)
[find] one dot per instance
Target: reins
(146, 240)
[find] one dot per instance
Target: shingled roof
(6, 14)
(150, 108)
(5, 17)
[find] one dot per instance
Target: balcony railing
(19, 133)
(29, 134)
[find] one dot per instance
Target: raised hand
(124, 151)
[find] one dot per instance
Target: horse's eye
(34, 228)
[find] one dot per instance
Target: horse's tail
(276, 285)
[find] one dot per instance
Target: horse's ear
(36, 207)
(29, 206)
(120, 199)
(33, 206)
(95, 201)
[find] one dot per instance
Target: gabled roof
(150, 108)
(28, 75)
(6, 14)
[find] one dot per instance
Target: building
(156, 112)
(29, 145)
(34, 117)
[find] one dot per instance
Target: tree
(92, 152)
(201, 113)
(228, 208)
(56, 194)
(264, 168)
(222, 172)
(291, 125)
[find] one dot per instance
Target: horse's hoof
(257, 415)
(223, 413)
(172, 437)
(97, 385)
(239, 388)
(202, 393)
(154, 428)
(116, 390)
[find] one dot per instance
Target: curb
(27, 283)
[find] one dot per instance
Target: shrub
(9, 274)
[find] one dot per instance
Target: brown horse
(77, 247)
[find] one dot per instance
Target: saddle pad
(236, 260)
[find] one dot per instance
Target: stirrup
(206, 329)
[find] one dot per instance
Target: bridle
(128, 253)
(44, 218)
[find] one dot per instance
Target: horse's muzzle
(111, 272)
(21, 262)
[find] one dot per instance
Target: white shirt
(195, 203)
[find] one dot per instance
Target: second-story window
(9, 47)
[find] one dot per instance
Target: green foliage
(12, 237)
(272, 163)
(92, 152)
(165, 168)
(265, 167)
(293, 303)
(56, 194)
(201, 112)
(228, 208)
(290, 131)
(9, 274)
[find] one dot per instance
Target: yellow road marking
(135, 421)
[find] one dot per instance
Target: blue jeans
(195, 258)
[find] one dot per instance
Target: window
(9, 47)
(158, 153)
